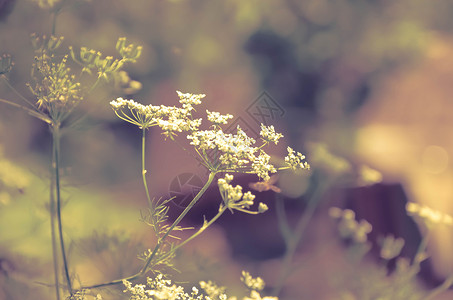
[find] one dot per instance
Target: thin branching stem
(95, 85)
(5, 79)
(148, 198)
(55, 255)
(31, 112)
(56, 136)
(420, 255)
(54, 22)
(203, 228)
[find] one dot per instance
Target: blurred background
(368, 82)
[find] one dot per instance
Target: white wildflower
(262, 207)
(295, 160)
(217, 118)
(262, 167)
(268, 134)
(234, 198)
(190, 99)
(162, 289)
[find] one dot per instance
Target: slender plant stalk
(95, 85)
(29, 111)
(57, 190)
(148, 198)
(5, 79)
(420, 254)
(54, 21)
(56, 266)
(203, 228)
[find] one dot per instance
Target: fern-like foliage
(157, 218)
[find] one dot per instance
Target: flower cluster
(55, 87)
(160, 289)
(256, 284)
(82, 295)
(262, 167)
(218, 151)
(170, 119)
(216, 118)
(295, 160)
(163, 289)
(214, 291)
(235, 152)
(428, 215)
(268, 134)
(348, 227)
(234, 198)
(91, 60)
(231, 152)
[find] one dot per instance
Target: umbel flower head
(218, 151)
(234, 198)
(295, 160)
(163, 289)
(55, 85)
(170, 119)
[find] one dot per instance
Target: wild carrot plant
(57, 90)
(63, 78)
(218, 151)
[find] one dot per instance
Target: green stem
(31, 112)
(5, 79)
(56, 266)
(148, 198)
(420, 255)
(96, 83)
(54, 22)
(56, 168)
(203, 228)
(160, 243)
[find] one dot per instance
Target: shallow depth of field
(362, 88)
